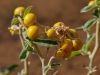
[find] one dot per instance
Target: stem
(26, 67)
(50, 60)
(23, 45)
(21, 37)
(55, 72)
(37, 49)
(20, 20)
(41, 26)
(95, 48)
(49, 64)
(88, 34)
(43, 65)
(40, 56)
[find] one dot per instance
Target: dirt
(48, 13)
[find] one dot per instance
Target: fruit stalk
(92, 56)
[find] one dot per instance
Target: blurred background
(48, 12)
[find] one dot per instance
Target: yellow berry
(91, 2)
(77, 44)
(67, 45)
(73, 33)
(60, 54)
(58, 24)
(67, 54)
(51, 33)
(19, 10)
(30, 19)
(33, 32)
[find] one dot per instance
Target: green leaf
(24, 54)
(55, 64)
(79, 28)
(98, 2)
(28, 9)
(89, 40)
(43, 42)
(96, 13)
(88, 8)
(74, 53)
(29, 48)
(10, 69)
(46, 69)
(14, 21)
(89, 24)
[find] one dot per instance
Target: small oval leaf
(28, 9)
(89, 40)
(55, 64)
(88, 8)
(47, 42)
(29, 48)
(98, 2)
(89, 24)
(14, 21)
(24, 54)
(79, 28)
(46, 69)
(10, 69)
(95, 13)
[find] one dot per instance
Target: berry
(19, 10)
(77, 44)
(30, 19)
(51, 33)
(33, 32)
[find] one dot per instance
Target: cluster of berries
(67, 37)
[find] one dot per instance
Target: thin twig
(23, 45)
(55, 72)
(40, 56)
(50, 60)
(37, 49)
(92, 56)
(20, 20)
